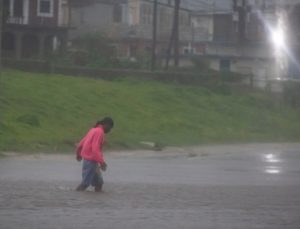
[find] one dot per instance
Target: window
(188, 50)
(225, 65)
(45, 8)
(183, 19)
(82, 16)
(117, 13)
(18, 8)
(146, 14)
(8, 42)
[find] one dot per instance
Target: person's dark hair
(106, 121)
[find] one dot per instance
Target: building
(267, 50)
(129, 24)
(226, 53)
(210, 29)
(34, 28)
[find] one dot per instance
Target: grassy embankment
(51, 112)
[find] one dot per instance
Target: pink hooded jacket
(90, 147)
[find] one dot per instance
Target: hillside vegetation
(52, 112)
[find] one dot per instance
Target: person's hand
(78, 158)
(103, 166)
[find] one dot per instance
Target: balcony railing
(38, 21)
(17, 20)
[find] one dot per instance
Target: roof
(207, 5)
(195, 5)
(80, 3)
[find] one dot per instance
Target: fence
(111, 74)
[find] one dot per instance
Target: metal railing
(39, 21)
(17, 20)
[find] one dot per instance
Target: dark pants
(91, 175)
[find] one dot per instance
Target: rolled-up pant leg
(89, 170)
(98, 179)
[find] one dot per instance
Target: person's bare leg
(81, 187)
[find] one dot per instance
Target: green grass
(52, 112)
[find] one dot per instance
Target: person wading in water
(90, 150)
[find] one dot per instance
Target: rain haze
(130, 114)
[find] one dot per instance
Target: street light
(280, 44)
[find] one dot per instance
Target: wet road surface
(239, 186)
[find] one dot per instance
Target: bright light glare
(271, 158)
(278, 38)
(273, 170)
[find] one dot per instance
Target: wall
(91, 18)
(261, 71)
(253, 51)
(34, 19)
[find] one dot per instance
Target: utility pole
(1, 28)
(169, 49)
(154, 36)
(176, 33)
(240, 6)
(174, 38)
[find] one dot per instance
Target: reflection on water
(273, 169)
(271, 159)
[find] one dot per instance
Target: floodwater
(227, 187)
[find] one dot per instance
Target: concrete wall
(253, 51)
(261, 71)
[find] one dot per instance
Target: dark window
(6, 5)
(225, 65)
(5, 9)
(224, 30)
(117, 13)
(82, 16)
(18, 8)
(8, 42)
(45, 6)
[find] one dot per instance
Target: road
(226, 186)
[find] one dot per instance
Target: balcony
(17, 20)
(36, 22)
